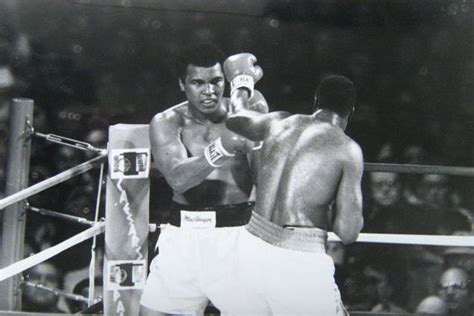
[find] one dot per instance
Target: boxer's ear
(351, 113)
(315, 104)
(181, 84)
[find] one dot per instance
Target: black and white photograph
(237, 157)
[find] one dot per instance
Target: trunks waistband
(301, 239)
(229, 215)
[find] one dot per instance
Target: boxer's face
(204, 88)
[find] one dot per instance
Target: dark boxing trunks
(229, 215)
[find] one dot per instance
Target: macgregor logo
(196, 219)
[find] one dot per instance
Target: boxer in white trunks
(309, 182)
(212, 187)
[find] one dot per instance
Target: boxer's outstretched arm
(253, 125)
(170, 155)
(348, 220)
(249, 122)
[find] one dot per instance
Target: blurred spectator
(65, 158)
(77, 281)
(40, 171)
(385, 293)
(360, 291)
(7, 46)
(434, 216)
(80, 201)
(369, 289)
(82, 288)
(7, 85)
(440, 216)
(424, 266)
(432, 305)
(37, 299)
(44, 236)
(412, 154)
(455, 289)
(97, 137)
(461, 257)
(386, 211)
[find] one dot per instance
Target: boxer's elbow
(179, 184)
(354, 232)
(347, 237)
(348, 230)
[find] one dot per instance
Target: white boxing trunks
(196, 260)
(285, 271)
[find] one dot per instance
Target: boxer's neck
(215, 117)
(329, 117)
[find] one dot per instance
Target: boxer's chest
(197, 136)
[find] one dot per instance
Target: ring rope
(67, 217)
(44, 255)
(50, 182)
(418, 169)
(412, 239)
(94, 239)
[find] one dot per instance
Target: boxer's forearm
(188, 174)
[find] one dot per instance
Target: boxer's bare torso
(185, 137)
(307, 163)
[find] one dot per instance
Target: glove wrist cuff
(242, 81)
(215, 153)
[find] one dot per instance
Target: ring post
(14, 216)
(126, 218)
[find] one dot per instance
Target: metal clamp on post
(29, 129)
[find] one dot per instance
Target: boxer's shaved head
(336, 93)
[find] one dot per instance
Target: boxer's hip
(293, 238)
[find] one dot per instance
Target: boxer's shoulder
(354, 150)
(173, 116)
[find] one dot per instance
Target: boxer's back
(302, 163)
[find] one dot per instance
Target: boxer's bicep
(253, 125)
(166, 145)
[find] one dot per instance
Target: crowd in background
(415, 90)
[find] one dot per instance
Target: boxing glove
(240, 70)
(226, 146)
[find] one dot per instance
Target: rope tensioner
(57, 292)
(69, 142)
(67, 217)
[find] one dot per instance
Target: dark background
(412, 61)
